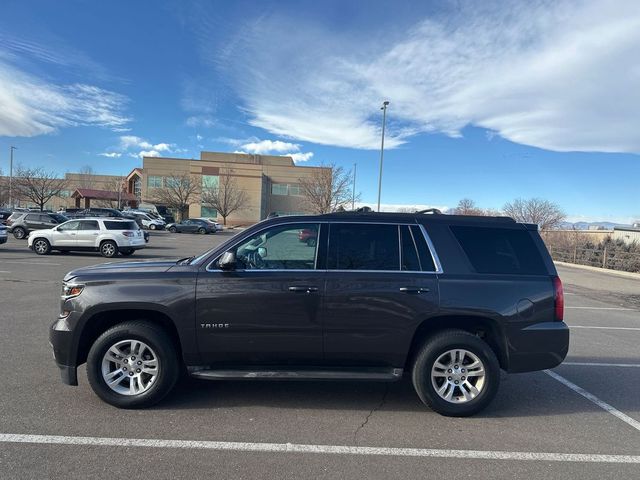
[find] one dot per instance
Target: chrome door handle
(303, 289)
(417, 290)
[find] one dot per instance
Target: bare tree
(38, 185)
(118, 187)
(547, 215)
(225, 197)
(4, 189)
(466, 206)
(327, 189)
(177, 193)
(86, 177)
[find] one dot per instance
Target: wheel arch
(484, 327)
(100, 322)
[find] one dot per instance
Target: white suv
(109, 236)
(148, 221)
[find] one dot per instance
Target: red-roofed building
(89, 194)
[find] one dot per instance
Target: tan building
(270, 182)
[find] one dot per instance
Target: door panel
(369, 317)
(87, 234)
(266, 310)
(65, 234)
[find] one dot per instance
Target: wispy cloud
(30, 105)
(557, 75)
(110, 154)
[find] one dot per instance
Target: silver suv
(109, 236)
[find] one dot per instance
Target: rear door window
(362, 246)
(500, 250)
(424, 253)
(410, 261)
(88, 225)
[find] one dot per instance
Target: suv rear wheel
(109, 249)
(41, 246)
(19, 233)
(456, 373)
(133, 364)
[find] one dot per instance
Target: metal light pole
(353, 195)
(384, 121)
(11, 176)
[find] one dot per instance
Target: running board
(384, 375)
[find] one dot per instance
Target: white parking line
(315, 449)
(594, 364)
(23, 262)
(600, 308)
(592, 398)
(604, 328)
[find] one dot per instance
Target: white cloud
(299, 156)
(110, 154)
(30, 105)
(269, 146)
(139, 147)
(201, 121)
(557, 75)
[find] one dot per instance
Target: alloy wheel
(130, 367)
(458, 376)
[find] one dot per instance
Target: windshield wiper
(185, 260)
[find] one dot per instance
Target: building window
(154, 181)
(64, 193)
(279, 189)
(208, 212)
(137, 187)
(210, 182)
(294, 190)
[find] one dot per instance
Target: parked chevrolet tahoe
(448, 301)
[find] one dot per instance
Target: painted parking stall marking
(315, 449)
(592, 398)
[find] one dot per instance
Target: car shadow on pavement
(520, 395)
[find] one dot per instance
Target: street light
(11, 176)
(353, 194)
(384, 121)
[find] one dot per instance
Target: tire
(41, 246)
(19, 233)
(126, 253)
(173, 229)
(201, 231)
(152, 343)
(109, 249)
(311, 242)
(428, 379)
(152, 226)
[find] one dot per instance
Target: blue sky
(489, 100)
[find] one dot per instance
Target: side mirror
(227, 261)
(262, 252)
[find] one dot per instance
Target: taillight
(128, 234)
(558, 294)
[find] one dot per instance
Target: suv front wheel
(133, 364)
(456, 373)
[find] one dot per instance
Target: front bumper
(537, 347)
(61, 341)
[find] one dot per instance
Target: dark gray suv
(447, 300)
(22, 223)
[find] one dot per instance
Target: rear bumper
(537, 347)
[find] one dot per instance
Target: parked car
(447, 300)
(3, 234)
(22, 223)
(148, 221)
(109, 236)
(218, 226)
(192, 225)
(308, 236)
(4, 215)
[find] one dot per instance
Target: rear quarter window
(109, 225)
(500, 250)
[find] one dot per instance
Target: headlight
(70, 290)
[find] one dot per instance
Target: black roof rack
(433, 211)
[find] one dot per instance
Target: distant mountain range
(586, 225)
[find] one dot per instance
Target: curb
(635, 276)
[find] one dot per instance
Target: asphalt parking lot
(580, 422)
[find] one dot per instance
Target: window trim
(432, 251)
